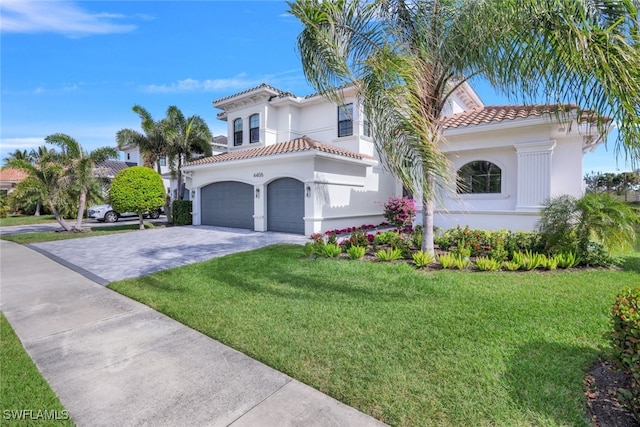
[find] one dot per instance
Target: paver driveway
(121, 256)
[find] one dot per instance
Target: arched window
(237, 132)
(479, 177)
(254, 128)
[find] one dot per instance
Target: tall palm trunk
(38, 205)
(82, 203)
(64, 224)
(428, 206)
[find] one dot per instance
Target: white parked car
(105, 213)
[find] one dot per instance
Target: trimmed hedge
(182, 212)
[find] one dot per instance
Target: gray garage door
(227, 204)
(285, 206)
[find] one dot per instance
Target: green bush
(451, 260)
(181, 212)
(423, 259)
(625, 343)
(137, 189)
(356, 252)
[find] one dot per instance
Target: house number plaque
(258, 175)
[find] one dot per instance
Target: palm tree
(17, 154)
(186, 136)
(35, 156)
(406, 58)
(152, 143)
(47, 177)
(80, 165)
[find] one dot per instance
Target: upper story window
(345, 120)
(479, 177)
(237, 132)
(366, 126)
(163, 161)
(254, 128)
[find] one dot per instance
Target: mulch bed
(604, 410)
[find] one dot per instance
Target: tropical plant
(568, 224)
(152, 143)
(356, 252)
(388, 255)
(331, 250)
(137, 189)
(566, 260)
(529, 260)
(423, 259)
(80, 165)
(48, 177)
(447, 260)
(512, 265)
(186, 137)
(488, 264)
(405, 59)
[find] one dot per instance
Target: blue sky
(77, 67)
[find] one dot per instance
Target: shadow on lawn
(543, 378)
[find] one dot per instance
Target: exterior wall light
(257, 193)
(308, 190)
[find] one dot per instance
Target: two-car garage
(231, 204)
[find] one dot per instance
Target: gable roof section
(12, 175)
(109, 168)
(294, 146)
(280, 93)
(496, 114)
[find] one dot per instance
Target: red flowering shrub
(400, 211)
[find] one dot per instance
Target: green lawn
(49, 236)
(407, 347)
(25, 397)
(26, 220)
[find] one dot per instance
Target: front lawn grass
(407, 347)
(26, 220)
(50, 236)
(25, 396)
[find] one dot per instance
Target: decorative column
(534, 174)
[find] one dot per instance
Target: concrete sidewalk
(115, 362)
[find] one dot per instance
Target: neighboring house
(307, 165)
(107, 170)
(132, 155)
(9, 178)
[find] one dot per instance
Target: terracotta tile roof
(296, 145)
(12, 175)
(494, 114)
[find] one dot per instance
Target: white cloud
(27, 16)
(214, 85)
(239, 82)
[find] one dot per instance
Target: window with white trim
(345, 120)
(237, 132)
(254, 128)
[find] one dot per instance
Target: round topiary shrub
(137, 189)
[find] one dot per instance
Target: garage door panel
(227, 204)
(285, 206)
